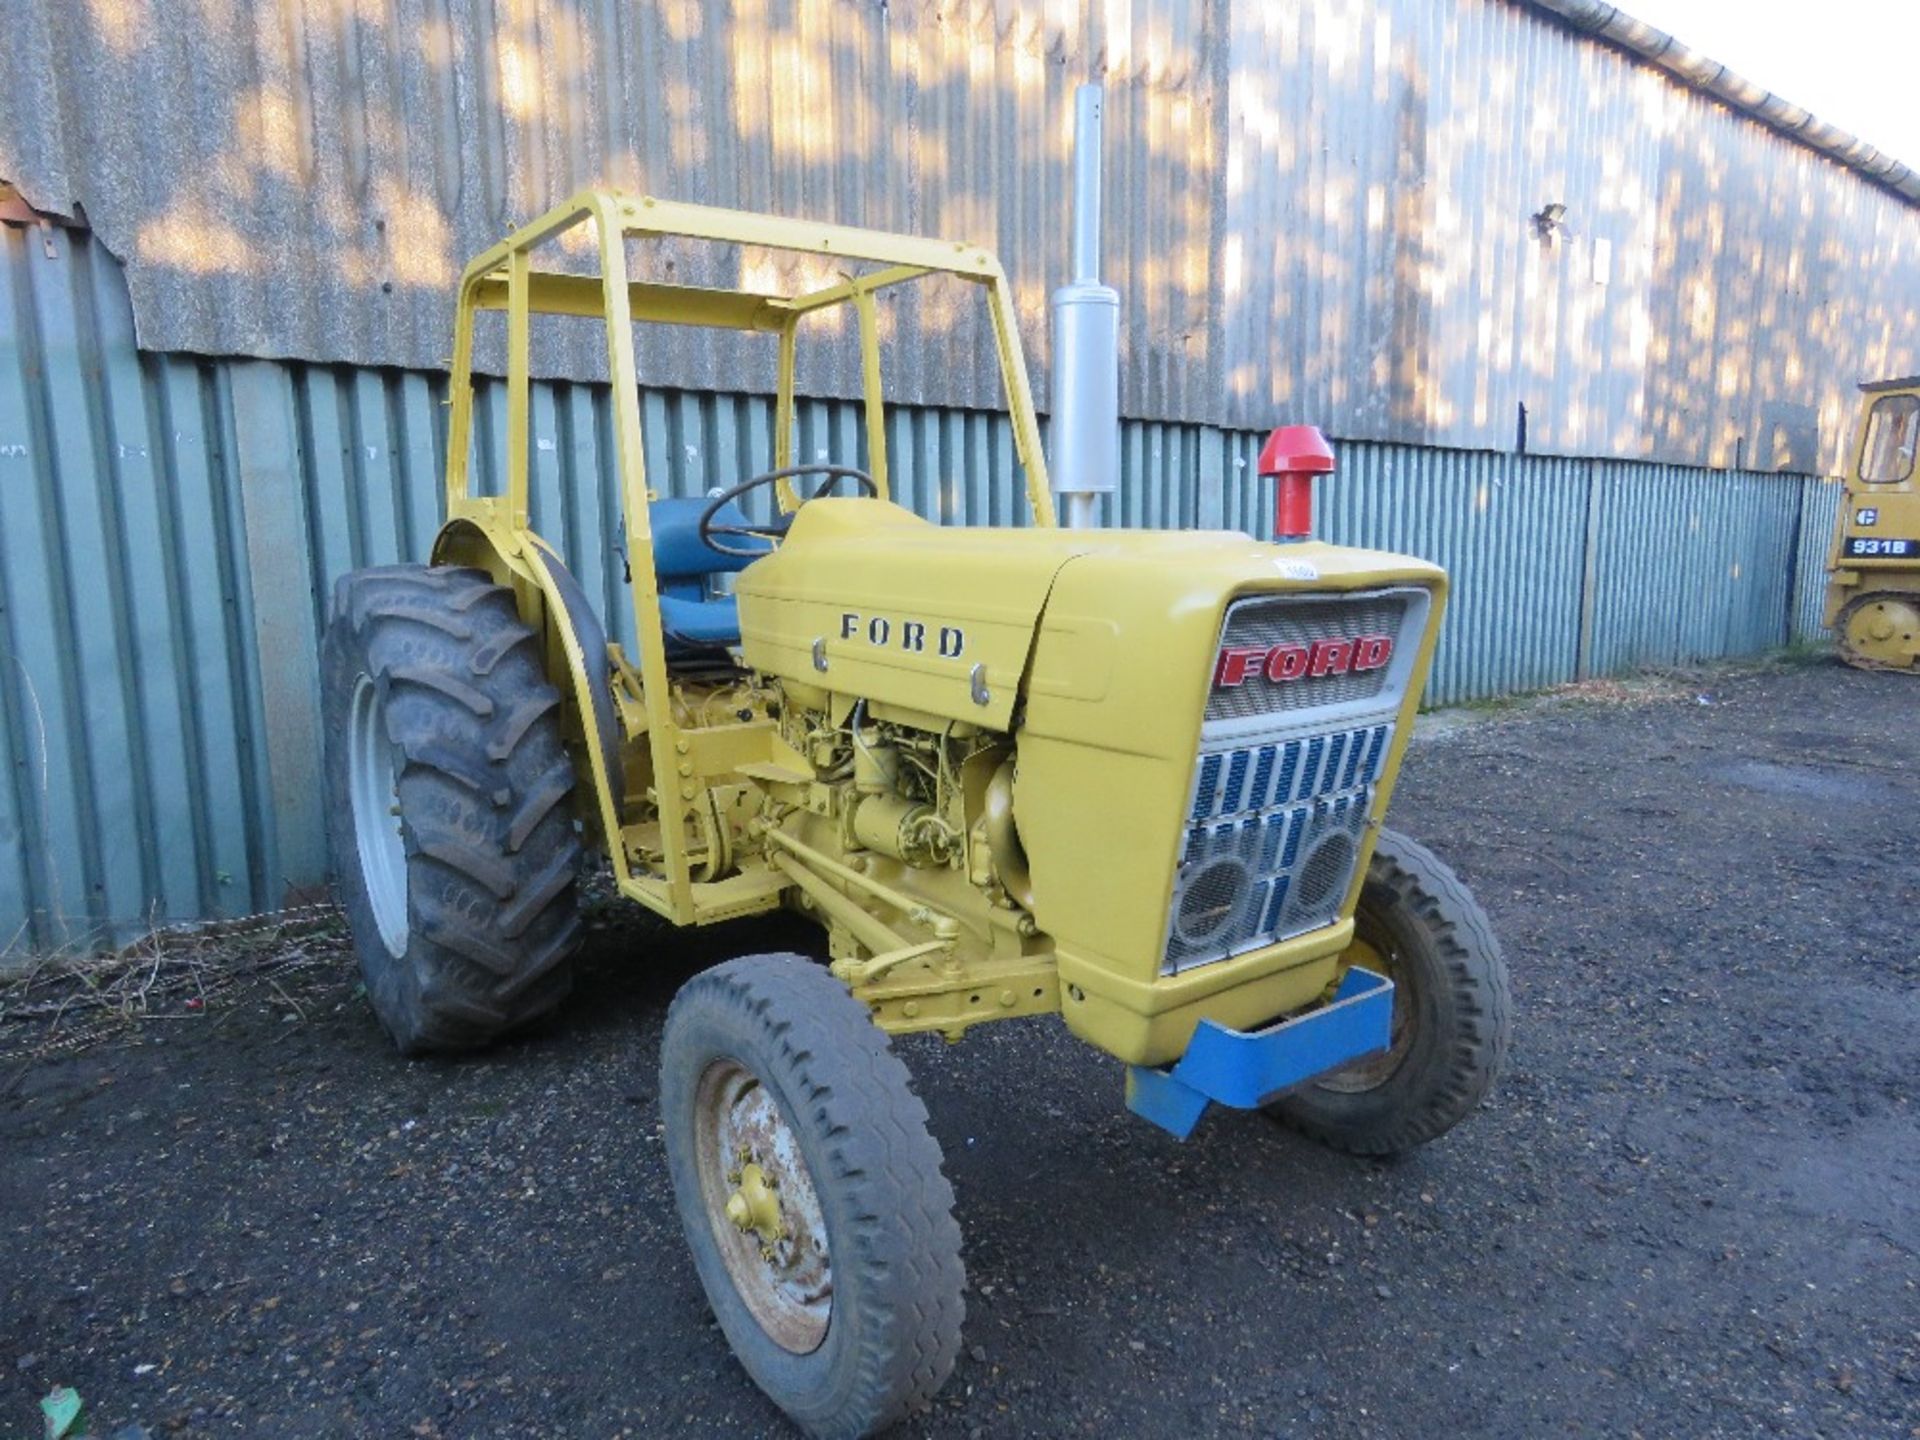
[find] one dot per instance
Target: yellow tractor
(1873, 568)
(1132, 779)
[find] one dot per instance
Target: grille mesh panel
(1272, 835)
(1287, 620)
(1214, 895)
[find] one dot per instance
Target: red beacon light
(1293, 455)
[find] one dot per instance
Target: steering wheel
(776, 529)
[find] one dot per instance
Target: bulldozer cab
(1873, 592)
(1888, 433)
(682, 554)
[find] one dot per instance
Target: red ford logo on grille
(1294, 661)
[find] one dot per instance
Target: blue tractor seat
(692, 618)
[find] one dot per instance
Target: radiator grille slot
(1284, 783)
(1273, 832)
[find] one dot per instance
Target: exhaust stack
(1086, 342)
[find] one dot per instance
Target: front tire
(811, 1194)
(448, 800)
(1452, 1011)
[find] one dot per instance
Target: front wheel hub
(761, 1202)
(754, 1209)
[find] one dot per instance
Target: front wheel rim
(1378, 954)
(377, 837)
(760, 1201)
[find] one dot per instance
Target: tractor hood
(868, 599)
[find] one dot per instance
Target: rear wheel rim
(377, 838)
(760, 1200)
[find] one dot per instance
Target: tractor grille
(1273, 834)
(1266, 621)
(1284, 782)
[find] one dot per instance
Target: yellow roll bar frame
(503, 278)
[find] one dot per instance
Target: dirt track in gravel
(1692, 1207)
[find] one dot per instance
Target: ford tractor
(1135, 780)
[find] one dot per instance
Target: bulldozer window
(1893, 426)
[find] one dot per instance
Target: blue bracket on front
(1248, 1068)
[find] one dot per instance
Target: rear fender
(573, 642)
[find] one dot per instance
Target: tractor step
(1250, 1068)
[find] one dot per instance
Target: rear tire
(448, 797)
(842, 1298)
(1452, 1011)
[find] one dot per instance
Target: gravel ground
(1689, 1209)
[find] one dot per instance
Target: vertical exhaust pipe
(1086, 342)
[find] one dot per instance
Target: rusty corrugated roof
(1318, 211)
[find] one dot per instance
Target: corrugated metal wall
(1819, 512)
(1317, 210)
(171, 527)
(130, 710)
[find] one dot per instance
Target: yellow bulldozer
(1873, 567)
(1135, 780)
